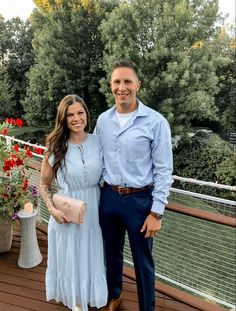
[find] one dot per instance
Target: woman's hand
(46, 180)
(59, 216)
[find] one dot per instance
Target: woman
(75, 274)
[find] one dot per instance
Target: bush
(205, 157)
(226, 170)
(33, 135)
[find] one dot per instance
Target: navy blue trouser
(118, 214)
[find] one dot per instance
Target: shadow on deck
(24, 289)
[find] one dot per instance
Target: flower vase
(6, 233)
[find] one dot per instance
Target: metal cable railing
(196, 255)
(204, 202)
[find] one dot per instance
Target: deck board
(24, 289)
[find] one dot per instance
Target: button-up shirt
(139, 153)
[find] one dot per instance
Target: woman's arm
(46, 180)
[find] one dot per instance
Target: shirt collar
(141, 111)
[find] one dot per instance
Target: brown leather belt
(126, 190)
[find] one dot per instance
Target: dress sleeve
(51, 159)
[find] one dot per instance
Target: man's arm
(162, 158)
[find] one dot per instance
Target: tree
(4, 41)
(225, 45)
(16, 57)
(6, 95)
(68, 51)
(20, 58)
(6, 91)
(169, 40)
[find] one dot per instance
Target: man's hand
(152, 226)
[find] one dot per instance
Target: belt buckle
(119, 188)
(124, 190)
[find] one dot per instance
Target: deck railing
(195, 250)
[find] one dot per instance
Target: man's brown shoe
(114, 303)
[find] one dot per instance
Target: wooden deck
(24, 289)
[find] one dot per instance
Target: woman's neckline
(79, 143)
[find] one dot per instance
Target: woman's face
(76, 118)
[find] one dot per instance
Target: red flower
(10, 121)
(19, 162)
(19, 122)
(25, 185)
(16, 148)
(15, 187)
(4, 132)
(29, 153)
(8, 165)
(6, 168)
(38, 150)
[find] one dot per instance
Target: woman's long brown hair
(57, 140)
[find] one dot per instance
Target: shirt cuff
(158, 207)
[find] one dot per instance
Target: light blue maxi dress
(76, 271)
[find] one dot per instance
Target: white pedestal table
(30, 255)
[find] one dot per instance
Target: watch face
(159, 216)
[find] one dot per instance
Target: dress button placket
(81, 149)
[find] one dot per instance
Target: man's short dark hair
(121, 63)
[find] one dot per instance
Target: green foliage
(225, 99)
(4, 41)
(171, 43)
(225, 171)
(34, 135)
(20, 58)
(68, 51)
(201, 154)
(184, 51)
(15, 189)
(205, 157)
(6, 95)
(16, 57)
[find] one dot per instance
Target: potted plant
(15, 190)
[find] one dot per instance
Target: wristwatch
(156, 215)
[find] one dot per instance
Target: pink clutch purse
(74, 209)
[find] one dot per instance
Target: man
(137, 152)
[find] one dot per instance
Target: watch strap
(156, 215)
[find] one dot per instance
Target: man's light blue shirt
(139, 153)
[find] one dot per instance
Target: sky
(23, 8)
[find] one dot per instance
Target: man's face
(124, 86)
